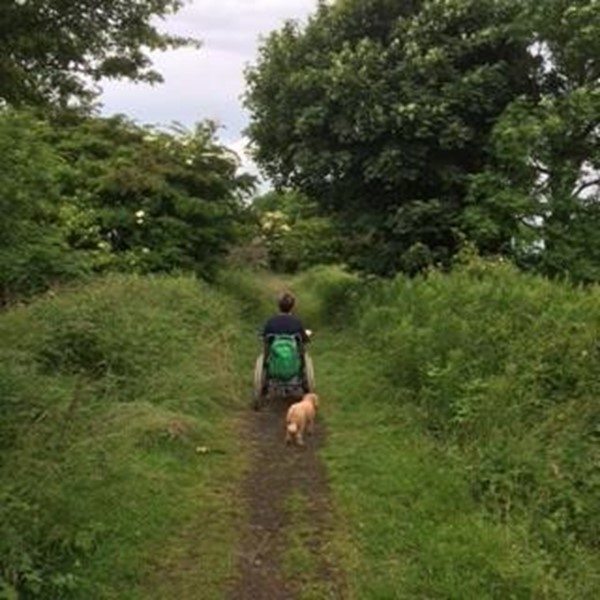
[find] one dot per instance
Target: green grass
(300, 560)
(323, 294)
(413, 530)
(462, 445)
(111, 394)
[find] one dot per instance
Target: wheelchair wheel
(309, 374)
(259, 397)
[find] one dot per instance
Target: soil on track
(276, 473)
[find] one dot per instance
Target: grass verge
(117, 406)
(463, 439)
(408, 526)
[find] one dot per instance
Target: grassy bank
(116, 404)
(463, 448)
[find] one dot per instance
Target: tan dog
(300, 419)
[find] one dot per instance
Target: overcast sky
(205, 83)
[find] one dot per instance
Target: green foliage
(92, 194)
(53, 54)
(381, 111)
(295, 235)
(144, 200)
(500, 369)
(540, 204)
(106, 392)
(33, 247)
(327, 294)
(409, 526)
(80, 193)
(419, 124)
(256, 293)
(538, 201)
(461, 414)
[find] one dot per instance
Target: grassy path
(373, 508)
(285, 548)
(285, 543)
(379, 508)
(133, 467)
(274, 500)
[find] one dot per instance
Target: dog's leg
(291, 432)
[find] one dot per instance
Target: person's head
(286, 302)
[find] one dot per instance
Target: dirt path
(285, 548)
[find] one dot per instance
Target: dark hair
(286, 302)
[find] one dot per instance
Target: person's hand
(308, 333)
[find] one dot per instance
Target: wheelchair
(270, 388)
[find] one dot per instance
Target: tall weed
(327, 295)
(503, 366)
(107, 391)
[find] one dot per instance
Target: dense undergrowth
(114, 429)
(461, 409)
(465, 440)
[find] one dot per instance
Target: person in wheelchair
(283, 324)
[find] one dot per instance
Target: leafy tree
(91, 194)
(539, 200)
(148, 200)
(52, 51)
(295, 234)
(33, 247)
(382, 110)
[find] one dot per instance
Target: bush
(327, 294)
(106, 392)
(502, 366)
(34, 253)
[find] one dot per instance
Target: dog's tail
(292, 428)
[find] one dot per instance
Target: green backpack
(284, 359)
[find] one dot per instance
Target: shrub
(33, 250)
(327, 294)
(502, 366)
(106, 390)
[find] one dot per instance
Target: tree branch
(590, 128)
(586, 185)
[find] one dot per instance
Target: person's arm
(305, 337)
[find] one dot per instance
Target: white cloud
(207, 83)
(247, 165)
